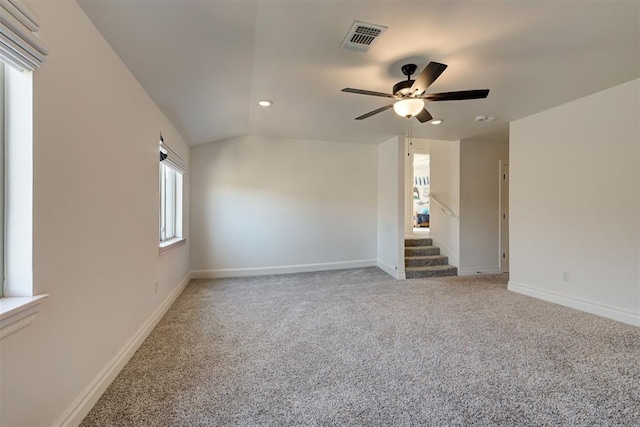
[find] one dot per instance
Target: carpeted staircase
(421, 259)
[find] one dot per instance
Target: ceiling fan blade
(371, 113)
(424, 116)
(429, 75)
(367, 92)
(456, 96)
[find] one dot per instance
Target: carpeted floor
(356, 347)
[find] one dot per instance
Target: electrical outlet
(565, 276)
(156, 288)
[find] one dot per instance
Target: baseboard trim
(391, 271)
(476, 271)
(84, 402)
(577, 303)
(282, 269)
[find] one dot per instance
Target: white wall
(575, 203)
(420, 145)
(445, 186)
(265, 205)
(391, 189)
(479, 206)
(95, 222)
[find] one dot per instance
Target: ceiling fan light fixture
(408, 107)
(409, 94)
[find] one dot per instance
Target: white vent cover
(361, 36)
(484, 119)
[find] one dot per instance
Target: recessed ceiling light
(265, 103)
(435, 121)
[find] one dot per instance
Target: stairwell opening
(422, 259)
(420, 194)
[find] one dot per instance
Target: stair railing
(443, 207)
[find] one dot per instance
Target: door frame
(503, 262)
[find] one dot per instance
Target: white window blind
(20, 47)
(170, 157)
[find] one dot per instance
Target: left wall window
(2, 178)
(21, 53)
(170, 202)
(171, 197)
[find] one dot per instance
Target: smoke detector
(361, 36)
(484, 119)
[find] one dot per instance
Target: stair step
(421, 261)
(431, 271)
(413, 251)
(423, 241)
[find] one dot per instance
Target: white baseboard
(282, 269)
(476, 271)
(391, 271)
(579, 304)
(82, 404)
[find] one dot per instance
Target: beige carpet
(356, 347)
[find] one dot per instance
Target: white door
(504, 216)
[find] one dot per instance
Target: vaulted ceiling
(207, 63)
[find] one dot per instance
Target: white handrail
(444, 207)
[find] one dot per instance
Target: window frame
(171, 186)
(18, 305)
(3, 106)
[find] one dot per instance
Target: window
(2, 179)
(170, 203)
(171, 179)
(21, 52)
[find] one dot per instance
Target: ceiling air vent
(361, 36)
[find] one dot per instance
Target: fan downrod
(402, 88)
(409, 69)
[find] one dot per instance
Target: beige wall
(95, 221)
(390, 209)
(265, 205)
(574, 203)
(479, 206)
(445, 187)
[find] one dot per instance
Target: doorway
(420, 193)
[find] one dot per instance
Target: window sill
(18, 312)
(172, 244)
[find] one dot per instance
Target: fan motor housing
(403, 87)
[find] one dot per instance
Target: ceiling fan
(410, 94)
